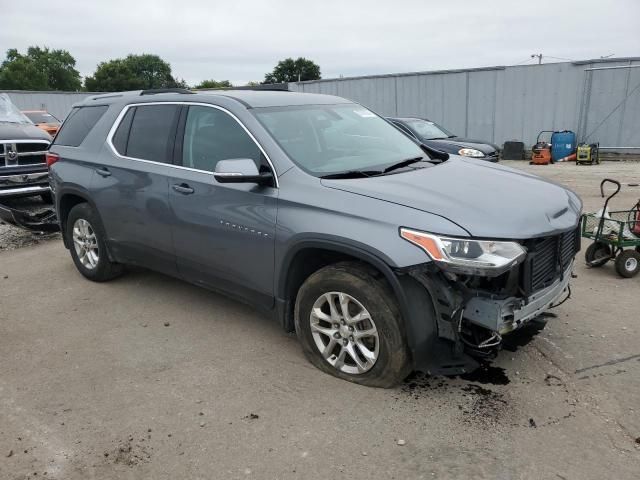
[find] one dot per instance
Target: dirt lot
(148, 377)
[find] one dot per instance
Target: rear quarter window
(78, 125)
(146, 132)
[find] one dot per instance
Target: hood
(22, 131)
(452, 145)
(485, 199)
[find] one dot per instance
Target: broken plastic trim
(42, 222)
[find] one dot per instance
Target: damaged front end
(474, 311)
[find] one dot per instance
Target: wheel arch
(309, 255)
(66, 199)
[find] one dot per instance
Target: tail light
(51, 158)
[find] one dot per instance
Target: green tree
(214, 84)
(135, 72)
(290, 70)
(39, 69)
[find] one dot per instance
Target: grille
(547, 258)
(15, 152)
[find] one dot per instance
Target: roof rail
(269, 87)
(155, 91)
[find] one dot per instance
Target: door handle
(103, 172)
(183, 188)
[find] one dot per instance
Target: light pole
(539, 55)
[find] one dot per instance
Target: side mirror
(241, 170)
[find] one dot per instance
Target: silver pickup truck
(23, 170)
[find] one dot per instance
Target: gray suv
(383, 255)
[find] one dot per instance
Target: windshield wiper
(352, 174)
(403, 163)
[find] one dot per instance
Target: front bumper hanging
(41, 222)
(504, 316)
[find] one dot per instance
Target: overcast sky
(242, 40)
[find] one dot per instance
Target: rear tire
(86, 240)
(597, 254)
(361, 335)
(628, 263)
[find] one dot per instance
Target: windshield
(9, 112)
(332, 139)
(41, 117)
(428, 130)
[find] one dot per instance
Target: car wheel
(46, 198)
(628, 263)
(348, 322)
(87, 245)
(597, 254)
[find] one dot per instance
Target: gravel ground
(149, 377)
(11, 237)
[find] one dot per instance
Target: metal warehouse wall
(57, 103)
(594, 98)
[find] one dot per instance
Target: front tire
(348, 322)
(86, 241)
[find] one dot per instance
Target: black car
(436, 136)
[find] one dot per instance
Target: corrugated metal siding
(508, 103)
(57, 103)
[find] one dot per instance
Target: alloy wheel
(344, 333)
(85, 244)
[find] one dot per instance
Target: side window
(121, 137)
(78, 125)
(211, 135)
(150, 134)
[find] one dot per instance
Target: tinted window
(78, 125)
(121, 136)
(212, 135)
(150, 133)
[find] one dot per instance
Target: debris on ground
(553, 381)
(401, 442)
(12, 237)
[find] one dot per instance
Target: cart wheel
(597, 254)
(628, 263)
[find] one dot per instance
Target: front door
(223, 233)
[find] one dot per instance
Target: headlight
(470, 152)
(467, 256)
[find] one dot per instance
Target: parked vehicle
(23, 171)
(44, 120)
(439, 138)
(382, 255)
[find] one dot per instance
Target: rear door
(130, 186)
(223, 233)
